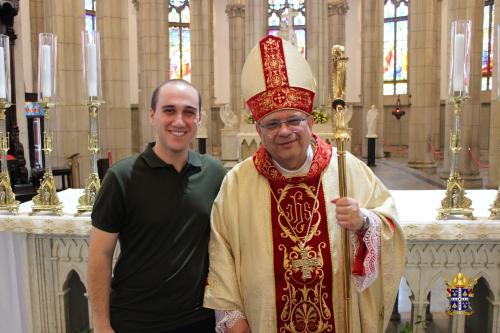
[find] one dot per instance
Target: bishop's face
(286, 135)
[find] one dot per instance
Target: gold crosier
(341, 136)
(7, 197)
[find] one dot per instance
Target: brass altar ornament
(7, 197)
(460, 291)
(46, 198)
(93, 183)
(92, 81)
(455, 202)
(341, 136)
(495, 207)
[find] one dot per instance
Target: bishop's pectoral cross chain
(305, 263)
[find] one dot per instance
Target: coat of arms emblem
(459, 294)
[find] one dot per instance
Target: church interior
(409, 119)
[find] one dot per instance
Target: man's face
(175, 118)
(286, 142)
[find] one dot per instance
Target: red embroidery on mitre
(278, 94)
(266, 167)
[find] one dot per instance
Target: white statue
(286, 27)
(371, 122)
(228, 117)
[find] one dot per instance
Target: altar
(46, 259)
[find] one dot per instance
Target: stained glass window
(487, 56)
(179, 39)
(279, 14)
(90, 18)
(395, 47)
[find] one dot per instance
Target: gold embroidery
(307, 304)
(306, 307)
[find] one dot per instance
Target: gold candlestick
(7, 197)
(455, 201)
(92, 82)
(341, 137)
(495, 208)
(92, 184)
(47, 199)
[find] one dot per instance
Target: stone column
(152, 38)
(115, 118)
(255, 22)
(372, 13)
(494, 315)
(236, 12)
(456, 324)
(318, 50)
(424, 74)
(418, 311)
(470, 10)
(337, 9)
(494, 140)
(202, 62)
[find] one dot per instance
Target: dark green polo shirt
(163, 220)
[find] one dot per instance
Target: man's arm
(101, 250)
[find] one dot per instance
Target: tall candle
(458, 62)
(91, 69)
(46, 71)
(3, 77)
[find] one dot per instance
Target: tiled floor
(397, 175)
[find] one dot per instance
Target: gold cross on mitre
(305, 263)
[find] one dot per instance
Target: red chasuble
(302, 253)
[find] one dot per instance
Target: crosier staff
(341, 136)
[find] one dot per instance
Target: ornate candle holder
(47, 199)
(495, 208)
(455, 201)
(7, 197)
(92, 83)
(92, 184)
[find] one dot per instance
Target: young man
(275, 255)
(157, 204)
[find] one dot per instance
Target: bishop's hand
(348, 214)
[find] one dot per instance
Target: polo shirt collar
(153, 161)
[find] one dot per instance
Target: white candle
(458, 62)
(91, 69)
(3, 77)
(46, 71)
